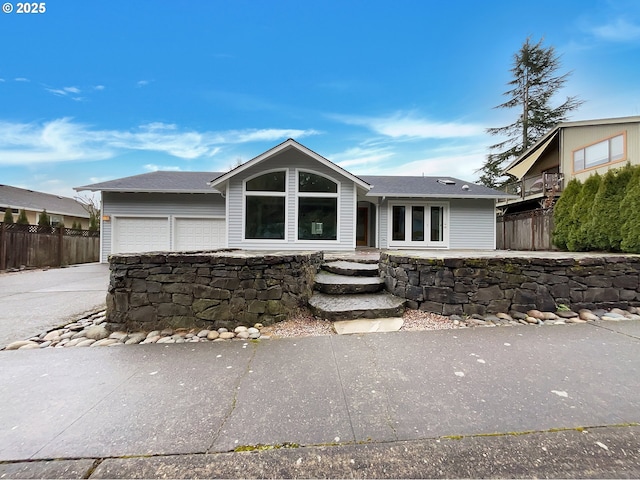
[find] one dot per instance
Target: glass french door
(418, 225)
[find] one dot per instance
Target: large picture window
(317, 207)
(265, 210)
(606, 151)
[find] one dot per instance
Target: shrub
(630, 205)
(22, 218)
(580, 236)
(563, 214)
(606, 215)
(43, 219)
(8, 216)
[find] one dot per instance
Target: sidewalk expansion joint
(344, 395)
(234, 400)
(531, 432)
(604, 327)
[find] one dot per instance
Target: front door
(362, 227)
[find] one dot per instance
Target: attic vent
(445, 181)
(465, 187)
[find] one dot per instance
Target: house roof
(21, 198)
(545, 140)
(288, 144)
(161, 181)
(432, 187)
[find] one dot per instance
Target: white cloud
(64, 140)
(150, 167)
(619, 30)
(408, 125)
(2, 80)
(71, 89)
(99, 87)
(21, 79)
(359, 156)
(142, 83)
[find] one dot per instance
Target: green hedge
(601, 214)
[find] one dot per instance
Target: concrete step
(351, 306)
(341, 284)
(353, 269)
(368, 325)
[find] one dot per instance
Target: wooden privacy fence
(35, 246)
(525, 231)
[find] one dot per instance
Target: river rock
(19, 344)
(212, 335)
(97, 332)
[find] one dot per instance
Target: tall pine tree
(534, 84)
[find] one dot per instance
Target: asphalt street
(554, 401)
(35, 301)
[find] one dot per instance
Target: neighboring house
(61, 210)
(570, 150)
(291, 198)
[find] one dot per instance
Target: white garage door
(134, 235)
(199, 233)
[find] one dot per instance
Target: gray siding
(292, 160)
(472, 224)
(156, 205)
(383, 222)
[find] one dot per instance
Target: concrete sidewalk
(176, 410)
(35, 301)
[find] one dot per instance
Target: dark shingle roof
(161, 181)
(437, 187)
(391, 186)
(21, 198)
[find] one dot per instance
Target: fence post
(60, 246)
(3, 246)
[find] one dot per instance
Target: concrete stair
(348, 290)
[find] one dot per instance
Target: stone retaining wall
(208, 290)
(490, 285)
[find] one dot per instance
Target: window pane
(310, 182)
(317, 218)
(617, 148)
(437, 215)
(578, 160)
(417, 224)
(269, 182)
(397, 229)
(264, 218)
(596, 154)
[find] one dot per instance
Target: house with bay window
(291, 198)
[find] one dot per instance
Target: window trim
(298, 195)
(427, 243)
(600, 165)
(252, 193)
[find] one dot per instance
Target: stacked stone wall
(466, 286)
(208, 290)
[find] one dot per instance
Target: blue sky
(96, 90)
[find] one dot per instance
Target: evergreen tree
(630, 206)
(606, 216)
(94, 224)
(580, 235)
(8, 216)
(563, 220)
(44, 220)
(534, 84)
(22, 218)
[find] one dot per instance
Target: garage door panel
(199, 233)
(134, 235)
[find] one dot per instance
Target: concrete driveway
(34, 301)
